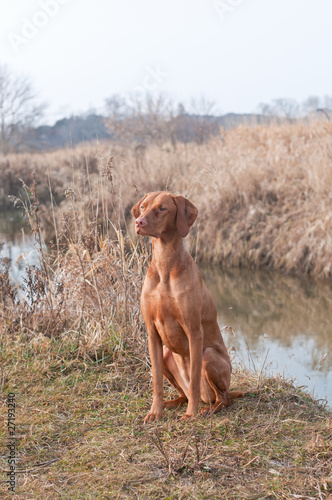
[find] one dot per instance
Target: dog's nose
(140, 222)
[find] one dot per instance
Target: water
(17, 244)
(282, 324)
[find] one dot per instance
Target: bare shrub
(19, 110)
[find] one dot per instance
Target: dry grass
(80, 433)
(263, 192)
(73, 346)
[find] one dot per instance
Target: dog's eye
(142, 207)
(162, 209)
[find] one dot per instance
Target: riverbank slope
(263, 192)
(79, 432)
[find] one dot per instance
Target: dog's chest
(161, 305)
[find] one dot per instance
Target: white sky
(88, 50)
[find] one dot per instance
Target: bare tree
(19, 109)
(202, 107)
(116, 107)
(290, 109)
(327, 102)
(281, 109)
(326, 108)
(285, 108)
(203, 122)
(139, 120)
(265, 108)
(159, 120)
(311, 104)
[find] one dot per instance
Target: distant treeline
(182, 128)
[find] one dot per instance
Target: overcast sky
(237, 53)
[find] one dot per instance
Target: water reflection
(286, 319)
(17, 244)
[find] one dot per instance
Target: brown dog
(185, 343)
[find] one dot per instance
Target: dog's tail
(235, 394)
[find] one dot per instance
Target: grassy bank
(80, 434)
(73, 344)
(263, 193)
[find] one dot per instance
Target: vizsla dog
(185, 343)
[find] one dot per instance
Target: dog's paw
(211, 410)
(206, 412)
(188, 416)
(152, 416)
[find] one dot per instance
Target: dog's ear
(186, 215)
(136, 208)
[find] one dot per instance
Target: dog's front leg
(195, 338)
(156, 355)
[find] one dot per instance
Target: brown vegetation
(263, 198)
(73, 347)
(263, 193)
(80, 433)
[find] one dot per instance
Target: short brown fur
(185, 342)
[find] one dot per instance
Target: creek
(281, 324)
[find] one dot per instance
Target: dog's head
(162, 213)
